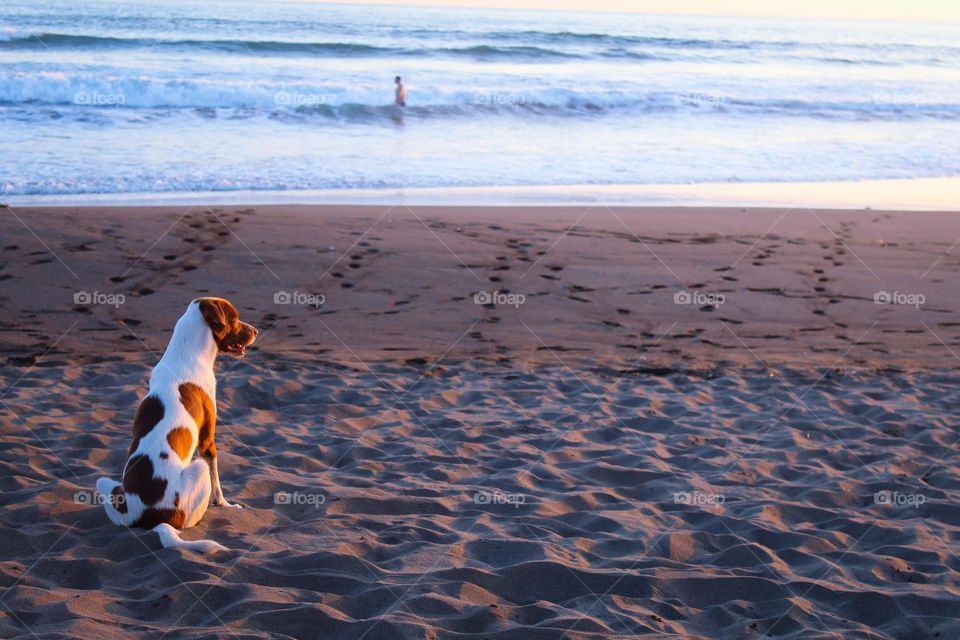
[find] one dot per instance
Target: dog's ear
(214, 315)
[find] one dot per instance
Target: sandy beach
(495, 422)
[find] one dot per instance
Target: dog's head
(231, 335)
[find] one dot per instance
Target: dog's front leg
(216, 495)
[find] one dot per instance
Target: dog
(163, 489)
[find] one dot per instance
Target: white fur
(188, 358)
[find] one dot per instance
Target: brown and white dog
(163, 488)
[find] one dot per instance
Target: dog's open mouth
(237, 349)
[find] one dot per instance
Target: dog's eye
(217, 326)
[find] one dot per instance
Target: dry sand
(597, 461)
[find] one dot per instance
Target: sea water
(177, 96)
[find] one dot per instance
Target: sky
(909, 10)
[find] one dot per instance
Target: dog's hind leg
(170, 537)
(194, 491)
(194, 496)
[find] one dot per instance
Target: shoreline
(914, 194)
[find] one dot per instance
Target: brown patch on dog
(138, 479)
(181, 441)
(152, 517)
(118, 499)
(149, 413)
(199, 405)
(205, 443)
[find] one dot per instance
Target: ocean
(174, 96)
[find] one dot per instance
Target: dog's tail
(114, 501)
(170, 537)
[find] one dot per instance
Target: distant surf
(337, 100)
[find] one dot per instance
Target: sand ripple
(500, 501)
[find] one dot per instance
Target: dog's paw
(222, 502)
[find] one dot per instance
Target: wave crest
(30, 89)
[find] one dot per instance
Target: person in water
(401, 99)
